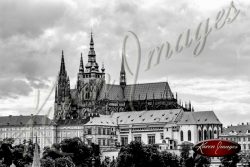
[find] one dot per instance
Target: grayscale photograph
(142, 83)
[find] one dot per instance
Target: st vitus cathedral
(93, 96)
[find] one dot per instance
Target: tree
(80, 153)
(48, 162)
(186, 159)
(6, 153)
(201, 161)
(23, 154)
(64, 162)
(136, 155)
(95, 149)
(230, 160)
(170, 159)
(51, 153)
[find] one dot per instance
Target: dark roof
(112, 92)
(156, 90)
(24, 120)
(72, 122)
(236, 130)
(201, 117)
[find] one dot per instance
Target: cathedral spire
(91, 41)
(62, 68)
(91, 49)
(81, 68)
(122, 74)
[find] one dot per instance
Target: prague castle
(94, 96)
(113, 115)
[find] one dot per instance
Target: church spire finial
(91, 40)
(103, 69)
(62, 68)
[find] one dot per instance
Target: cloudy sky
(33, 33)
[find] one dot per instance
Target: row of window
(89, 76)
(207, 134)
(25, 134)
(69, 134)
(189, 134)
(23, 128)
(244, 147)
(151, 139)
(237, 139)
(104, 142)
(101, 131)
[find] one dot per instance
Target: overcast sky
(33, 33)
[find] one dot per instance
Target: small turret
(81, 68)
(122, 75)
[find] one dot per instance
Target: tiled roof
(112, 92)
(142, 117)
(104, 120)
(24, 120)
(237, 130)
(137, 117)
(72, 122)
(201, 117)
(156, 90)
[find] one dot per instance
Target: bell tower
(62, 93)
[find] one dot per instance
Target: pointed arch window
(210, 134)
(205, 134)
(189, 135)
(181, 133)
(200, 135)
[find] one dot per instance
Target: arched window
(200, 135)
(181, 135)
(205, 134)
(87, 96)
(189, 135)
(215, 134)
(210, 134)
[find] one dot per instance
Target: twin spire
(91, 59)
(62, 68)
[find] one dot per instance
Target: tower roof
(81, 68)
(122, 66)
(92, 65)
(62, 68)
(91, 46)
(122, 74)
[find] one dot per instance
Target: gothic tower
(90, 79)
(62, 93)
